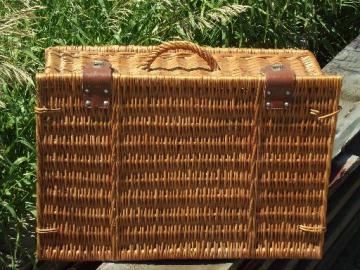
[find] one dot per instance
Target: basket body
(185, 163)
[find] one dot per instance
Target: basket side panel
(182, 168)
(186, 164)
(74, 173)
(294, 171)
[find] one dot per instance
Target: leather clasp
(97, 84)
(279, 86)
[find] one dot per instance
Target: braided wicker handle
(183, 45)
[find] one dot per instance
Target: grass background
(28, 27)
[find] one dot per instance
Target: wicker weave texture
(185, 163)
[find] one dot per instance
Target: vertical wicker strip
(187, 162)
(115, 169)
(39, 155)
(256, 145)
(334, 85)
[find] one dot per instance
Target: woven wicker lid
(180, 59)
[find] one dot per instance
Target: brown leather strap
(279, 86)
(97, 84)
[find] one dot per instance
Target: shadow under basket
(182, 152)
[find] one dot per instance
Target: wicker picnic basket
(182, 152)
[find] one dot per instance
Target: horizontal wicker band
(314, 229)
(46, 230)
(44, 109)
(316, 112)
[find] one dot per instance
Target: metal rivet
(87, 91)
(288, 93)
(98, 63)
(106, 91)
(87, 103)
(286, 104)
(268, 93)
(106, 103)
(268, 104)
(277, 67)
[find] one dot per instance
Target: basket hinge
(279, 86)
(97, 84)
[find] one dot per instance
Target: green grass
(28, 27)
